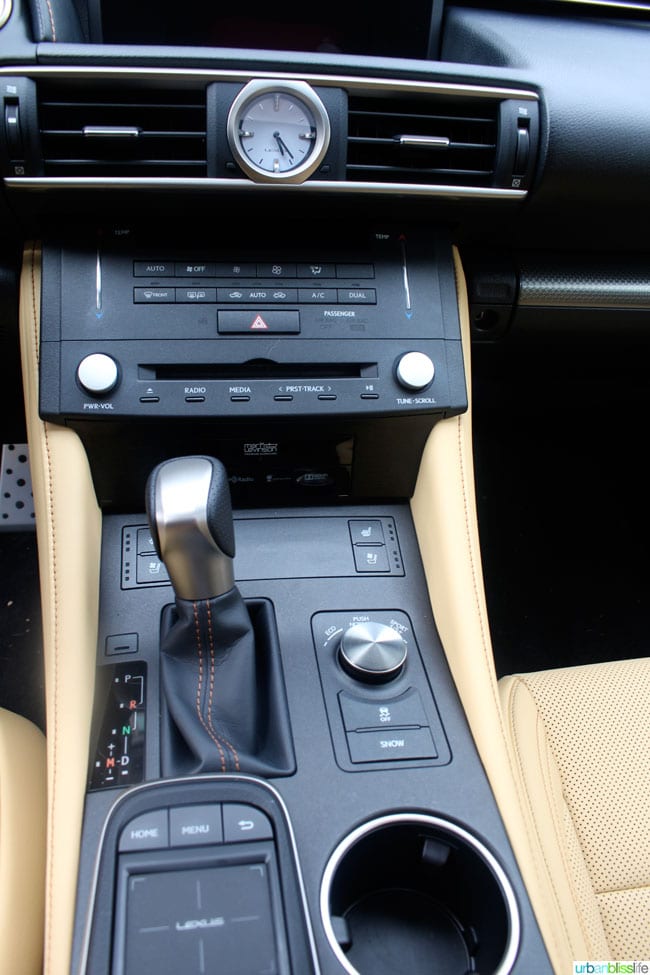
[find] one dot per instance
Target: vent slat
(376, 125)
(169, 130)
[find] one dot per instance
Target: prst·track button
(391, 745)
(195, 825)
(147, 832)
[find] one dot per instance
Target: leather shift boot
(224, 705)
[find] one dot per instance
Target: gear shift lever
(224, 702)
(188, 504)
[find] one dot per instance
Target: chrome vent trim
(320, 187)
(422, 139)
(121, 130)
(120, 167)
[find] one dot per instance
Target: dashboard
(340, 256)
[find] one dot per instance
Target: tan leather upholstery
(581, 736)
(444, 514)
(68, 524)
(23, 787)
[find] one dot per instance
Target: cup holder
(414, 893)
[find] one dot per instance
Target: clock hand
(282, 145)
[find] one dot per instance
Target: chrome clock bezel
(303, 93)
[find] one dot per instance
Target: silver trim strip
(35, 183)
(83, 969)
(112, 131)
(333, 81)
(425, 141)
(514, 933)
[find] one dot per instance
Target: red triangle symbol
(259, 322)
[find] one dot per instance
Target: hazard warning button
(258, 322)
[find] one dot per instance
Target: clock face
(278, 132)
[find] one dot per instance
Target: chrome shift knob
(190, 516)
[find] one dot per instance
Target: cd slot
(250, 371)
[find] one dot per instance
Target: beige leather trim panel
(444, 512)
(582, 740)
(68, 523)
(23, 791)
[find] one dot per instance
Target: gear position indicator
(120, 701)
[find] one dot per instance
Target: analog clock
(278, 131)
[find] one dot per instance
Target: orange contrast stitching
(212, 677)
(199, 686)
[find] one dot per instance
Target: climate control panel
(310, 323)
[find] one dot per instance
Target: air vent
(92, 129)
(422, 139)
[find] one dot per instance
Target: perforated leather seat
(581, 744)
(23, 790)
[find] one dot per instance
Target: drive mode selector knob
(98, 374)
(415, 370)
(372, 652)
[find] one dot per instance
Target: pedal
(16, 499)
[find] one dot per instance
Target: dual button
(195, 825)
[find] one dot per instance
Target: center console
(363, 835)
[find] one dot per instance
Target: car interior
(323, 498)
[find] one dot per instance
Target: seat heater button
(368, 532)
(242, 823)
(147, 832)
(195, 825)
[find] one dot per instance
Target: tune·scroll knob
(415, 370)
(98, 373)
(372, 652)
